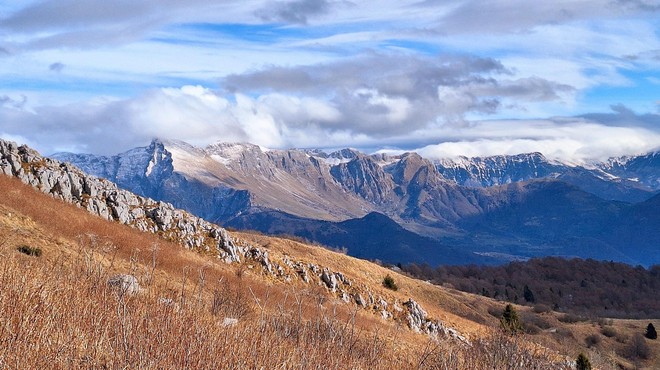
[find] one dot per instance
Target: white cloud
(569, 139)
(200, 116)
(334, 81)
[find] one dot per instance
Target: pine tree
(510, 321)
(388, 282)
(650, 332)
(528, 295)
(582, 362)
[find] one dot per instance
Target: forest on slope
(582, 287)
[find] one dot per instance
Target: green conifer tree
(510, 321)
(582, 362)
(650, 332)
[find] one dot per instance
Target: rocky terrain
(104, 199)
(487, 210)
(630, 179)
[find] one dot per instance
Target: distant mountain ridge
(492, 206)
(628, 179)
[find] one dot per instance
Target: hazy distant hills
(406, 208)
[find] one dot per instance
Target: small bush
(621, 338)
(542, 308)
(539, 321)
(608, 331)
(530, 328)
(637, 349)
(564, 333)
(495, 312)
(570, 318)
(388, 282)
(592, 340)
(30, 251)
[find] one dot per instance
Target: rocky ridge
(104, 199)
(629, 179)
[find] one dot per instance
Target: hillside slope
(190, 300)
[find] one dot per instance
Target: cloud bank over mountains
(576, 80)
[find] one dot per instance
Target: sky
(575, 80)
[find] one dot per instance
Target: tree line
(589, 287)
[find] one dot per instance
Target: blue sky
(576, 80)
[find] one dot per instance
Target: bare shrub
(230, 301)
(570, 318)
(535, 320)
(495, 311)
(542, 308)
(608, 331)
(637, 349)
(592, 340)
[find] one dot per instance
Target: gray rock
(124, 284)
(329, 279)
(359, 300)
(229, 322)
(302, 272)
(261, 256)
(343, 279)
(416, 316)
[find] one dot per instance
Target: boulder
(329, 279)
(416, 316)
(124, 284)
(229, 322)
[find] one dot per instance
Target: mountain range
(405, 208)
(143, 284)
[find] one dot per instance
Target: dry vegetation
(57, 310)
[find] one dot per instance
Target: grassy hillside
(57, 310)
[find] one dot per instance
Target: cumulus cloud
(201, 116)
(384, 94)
(573, 140)
(191, 113)
(429, 74)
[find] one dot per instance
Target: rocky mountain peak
(412, 167)
(363, 176)
(498, 170)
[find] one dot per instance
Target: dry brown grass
(56, 310)
(64, 315)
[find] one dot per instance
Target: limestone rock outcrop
(103, 198)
